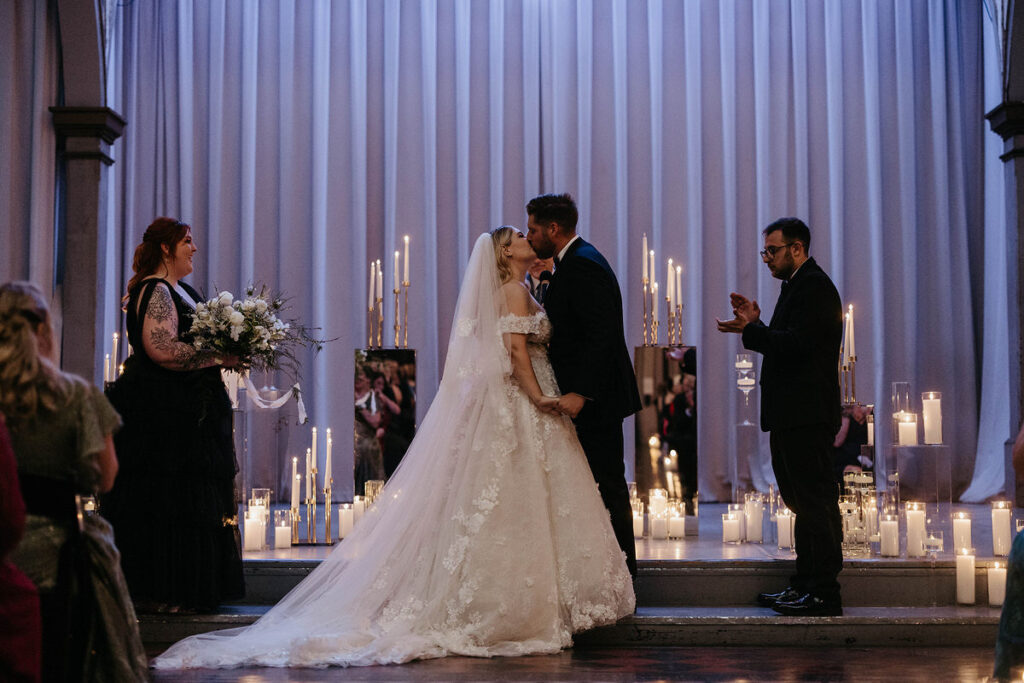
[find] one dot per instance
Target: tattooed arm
(160, 335)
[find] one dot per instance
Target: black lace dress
(173, 505)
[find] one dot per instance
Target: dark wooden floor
(654, 664)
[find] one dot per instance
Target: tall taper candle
(327, 464)
(373, 271)
(113, 357)
(309, 473)
(405, 274)
(670, 293)
(644, 255)
(846, 342)
(106, 367)
(654, 309)
(679, 288)
(395, 288)
(853, 348)
(296, 483)
(316, 454)
(652, 275)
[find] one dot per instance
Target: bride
(489, 540)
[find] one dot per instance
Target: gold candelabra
(405, 320)
(329, 540)
(671, 341)
(380, 322)
(646, 342)
(372, 314)
(679, 324)
(848, 380)
(311, 509)
(295, 525)
(396, 292)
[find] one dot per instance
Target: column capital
(1007, 120)
(100, 126)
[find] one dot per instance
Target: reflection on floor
(863, 665)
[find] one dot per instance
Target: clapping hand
(744, 311)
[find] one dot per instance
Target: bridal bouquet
(249, 328)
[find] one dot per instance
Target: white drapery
(302, 139)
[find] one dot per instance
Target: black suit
(800, 408)
(588, 354)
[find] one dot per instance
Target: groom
(588, 351)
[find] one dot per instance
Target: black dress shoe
(808, 605)
(769, 599)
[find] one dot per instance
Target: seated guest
(1010, 641)
(852, 434)
(20, 630)
(61, 432)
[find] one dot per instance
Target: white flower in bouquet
(249, 329)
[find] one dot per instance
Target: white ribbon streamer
(232, 379)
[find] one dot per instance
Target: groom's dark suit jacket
(799, 373)
(588, 347)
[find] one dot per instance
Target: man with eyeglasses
(800, 409)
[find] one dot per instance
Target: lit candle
(644, 255)
(679, 286)
(255, 529)
(309, 473)
(638, 525)
(846, 341)
(871, 517)
(853, 349)
(347, 519)
(653, 274)
(915, 530)
(296, 483)
(676, 525)
(283, 534)
(670, 291)
(730, 528)
(395, 288)
(871, 429)
(373, 271)
(405, 276)
(106, 368)
(659, 525)
(754, 512)
(658, 502)
(996, 584)
(961, 531)
(327, 464)
(654, 308)
(114, 354)
(358, 508)
(890, 533)
(784, 523)
(380, 281)
(965, 576)
(908, 429)
(932, 410)
(1001, 536)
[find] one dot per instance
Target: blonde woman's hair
(29, 382)
(502, 237)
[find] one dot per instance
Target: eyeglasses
(770, 251)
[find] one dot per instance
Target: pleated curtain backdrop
(303, 139)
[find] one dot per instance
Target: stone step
(716, 583)
(704, 626)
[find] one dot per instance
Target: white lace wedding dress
(490, 540)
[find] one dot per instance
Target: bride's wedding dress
(490, 539)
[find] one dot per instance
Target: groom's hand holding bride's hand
(571, 404)
(548, 404)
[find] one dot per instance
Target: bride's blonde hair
(29, 382)
(502, 237)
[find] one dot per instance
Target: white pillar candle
(739, 512)
(754, 514)
(106, 368)
(871, 430)
(996, 584)
(638, 525)
(890, 534)
(908, 429)
(1001, 535)
(932, 412)
(659, 526)
(644, 256)
(658, 502)
(676, 526)
(255, 529)
(346, 518)
(965, 576)
(784, 522)
(283, 536)
(373, 276)
(915, 530)
(405, 273)
(961, 531)
(358, 508)
(730, 528)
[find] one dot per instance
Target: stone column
(85, 135)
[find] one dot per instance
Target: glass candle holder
(889, 536)
(899, 403)
(931, 411)
(906, 426)
(961, 531)
(965, 576)
(1002, 537)
(997, 584)
(785, 522)
(731, 528)
(346, 519)
(282, 529)
(934, 543)
(915, 514)
(740, 512)
(753, 513)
